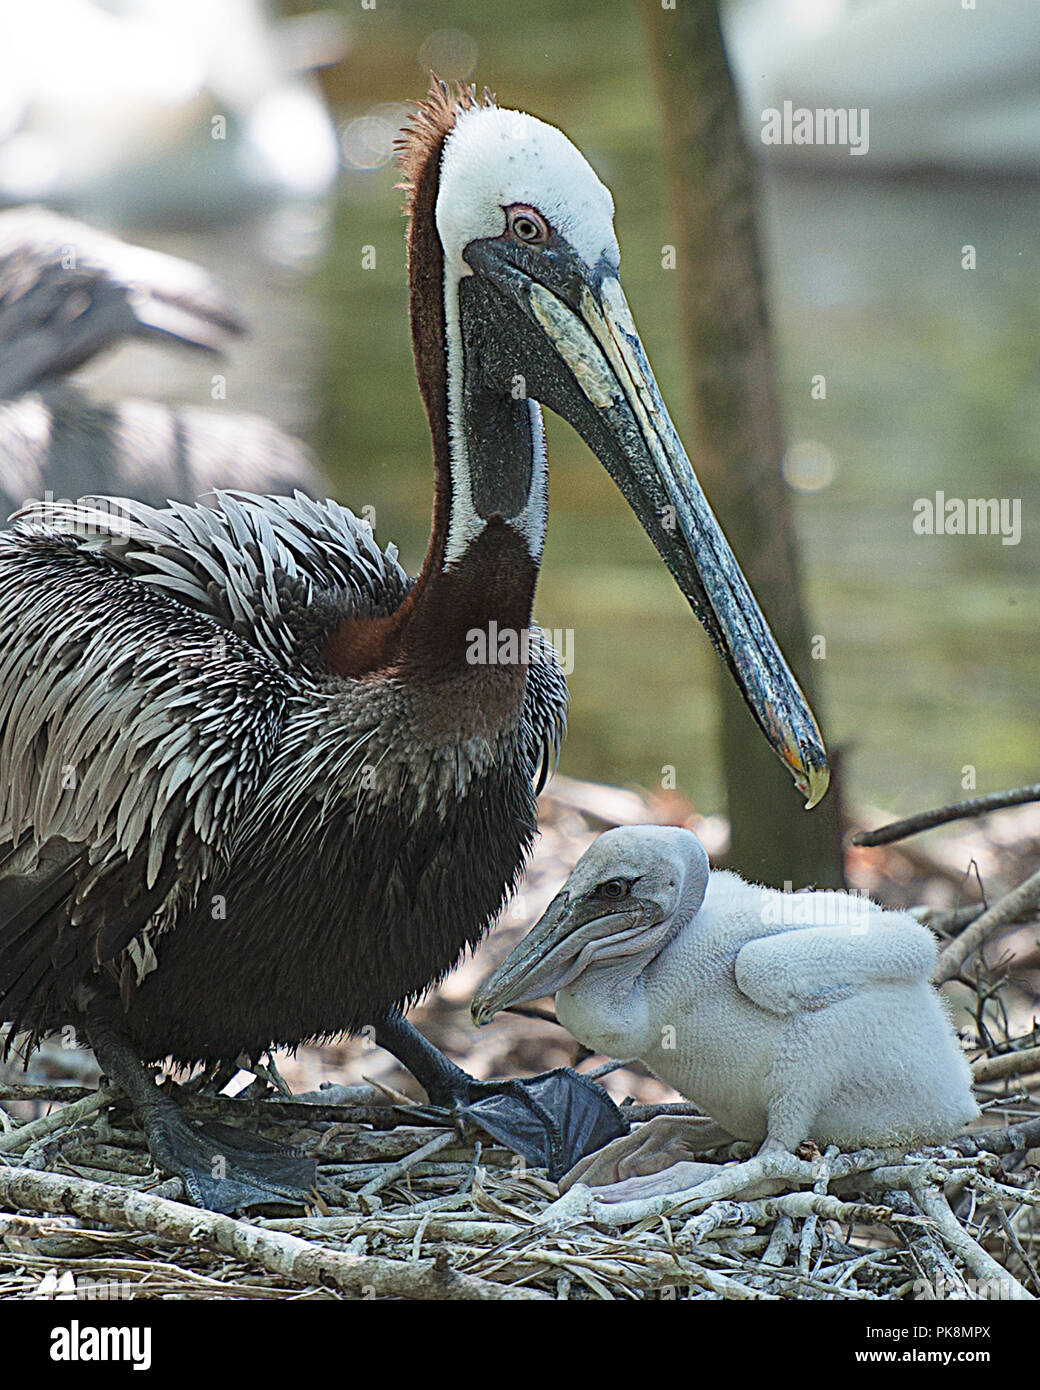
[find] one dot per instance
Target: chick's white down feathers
(784, 1017)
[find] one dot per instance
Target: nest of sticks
(408, 1208)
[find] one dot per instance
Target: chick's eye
(614, 888)
(528, 226)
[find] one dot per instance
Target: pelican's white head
(630, 893)
(496, 160)
(529, 311)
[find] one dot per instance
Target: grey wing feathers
(255, 564)
(67, 291)
(810, 967)
(132, 732)
(58, 442)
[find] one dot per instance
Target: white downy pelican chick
(785, 1017)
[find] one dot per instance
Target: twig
(1026, 1059)
(279, 1253)
(738, 1179)
(721, 1284)
(50, 1090)
(1000, 1192)
(948, 921)
(15, 1140)
(796, 1205)
(230, 1110)
(401, 1225)
(779, 1242)
(926, 1249)
(605, 1068)
(720, 1216)
(386, 1146)
(994, 1276)
(823, 1177)
(959, 810)
(109, 1157)
(1010, 908)
(1011, 1236)
(392, 1171)
(638, 1114)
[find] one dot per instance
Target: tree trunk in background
(738, 443)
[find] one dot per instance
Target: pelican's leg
(443, 1081)
(797, 1090)
(665, 1142)
(552, 1119)
(221, 1171)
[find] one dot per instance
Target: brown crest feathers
(423, 137)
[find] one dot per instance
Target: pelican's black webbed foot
(223, 1169)
(552, 1120)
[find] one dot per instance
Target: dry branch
(47, 1090)
(397, 1170)
(1020, 1063)
(959, 810)
(297, 1260)
(999, 1140)
(17, 1140)
(796, 1205)
(736, 1180)
(1012, 907)
(985, 1268)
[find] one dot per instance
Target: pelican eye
(527, 226)
(614, 888)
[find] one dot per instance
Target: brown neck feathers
(493, 582)
(419, 153)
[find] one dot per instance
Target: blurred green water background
(931, 372)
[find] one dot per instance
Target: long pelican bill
(598, 378)
(561, 945)
(537, 966)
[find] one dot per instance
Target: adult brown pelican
(785, 1017)
(67, 293)
(255, 790)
